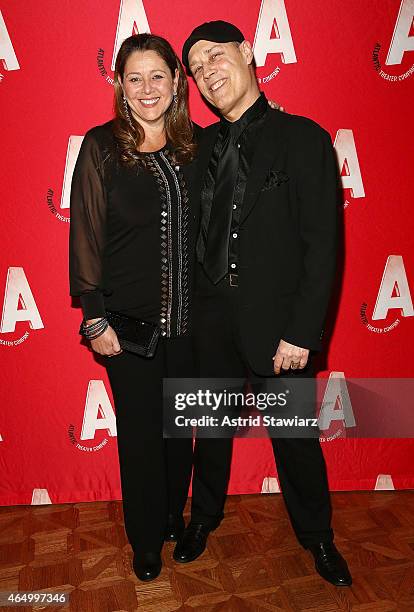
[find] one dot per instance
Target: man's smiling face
(222, 72)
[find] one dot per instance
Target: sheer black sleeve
(87, 228)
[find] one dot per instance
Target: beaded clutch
(134, 335)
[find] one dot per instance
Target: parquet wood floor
(253, 561)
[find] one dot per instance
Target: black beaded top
(129, 243)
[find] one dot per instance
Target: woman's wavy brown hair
(178, 125)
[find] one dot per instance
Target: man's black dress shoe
(193, 542)
(175, 528)
(147, 566)
(330, 564)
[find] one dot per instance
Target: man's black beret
(214, 31)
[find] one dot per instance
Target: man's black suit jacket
(287, 235)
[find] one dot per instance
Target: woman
(131, 235)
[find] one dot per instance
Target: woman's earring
(127, 112)
(175, 104)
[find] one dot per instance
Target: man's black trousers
(300, 462)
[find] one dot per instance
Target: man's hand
(275, 105)
(288, 356)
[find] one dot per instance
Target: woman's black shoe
(175, 528)
(147, 566)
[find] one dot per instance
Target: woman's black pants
(155, 472)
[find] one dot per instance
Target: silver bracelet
(94, 329)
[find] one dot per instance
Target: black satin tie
(216, 253)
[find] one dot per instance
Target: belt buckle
(234, 280)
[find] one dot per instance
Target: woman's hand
(107, 343)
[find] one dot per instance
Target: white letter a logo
(348, 160)
(394, 281)
(132, 20)
(401, 39)
(18, 291)
(7, 54)
(273, 18)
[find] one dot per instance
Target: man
(266, 261)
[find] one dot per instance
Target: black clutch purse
(134, 335)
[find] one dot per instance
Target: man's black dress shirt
(245, 133)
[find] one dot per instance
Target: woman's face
(148, 86)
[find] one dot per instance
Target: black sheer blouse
(129, 243)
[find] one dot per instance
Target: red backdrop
(348, 65)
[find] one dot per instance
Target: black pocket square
(275, 178)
